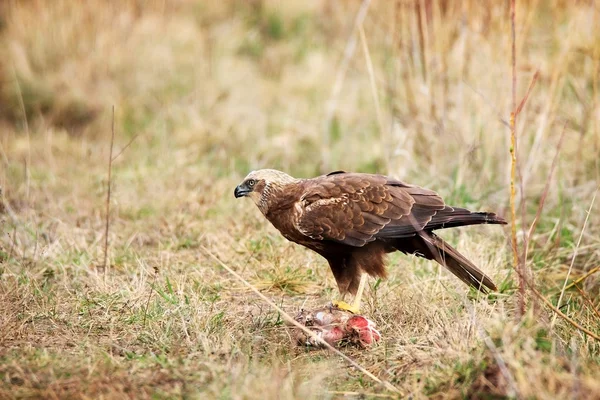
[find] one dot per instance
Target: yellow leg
(355, 307)
(359, 292)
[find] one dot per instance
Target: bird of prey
(354, 219)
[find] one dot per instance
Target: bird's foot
(342, 305)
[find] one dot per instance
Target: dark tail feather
(448, 217)
(432, 247)
(453, 216)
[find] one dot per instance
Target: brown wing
(355, 209)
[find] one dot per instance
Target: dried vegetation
(205, 91)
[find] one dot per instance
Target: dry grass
(214, 91)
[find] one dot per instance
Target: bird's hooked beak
(241, 190)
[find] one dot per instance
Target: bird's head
(261, 184)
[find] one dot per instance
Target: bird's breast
(286, 221)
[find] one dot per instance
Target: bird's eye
(251, 182)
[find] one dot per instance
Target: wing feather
(356, 209)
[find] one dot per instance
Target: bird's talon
(342, 305)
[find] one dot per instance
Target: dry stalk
(110, 160)
(124, 147)
(589, 301)
(583, 277)
(587, 217)
(519, 263)
(150, 295)
(26, 123)
(513, 166)
(560, 313)
(13, 242)
(546, 188)
(523, 260)
(531, 85)
(420, 16)
(538, 213)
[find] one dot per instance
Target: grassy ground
(204, 93)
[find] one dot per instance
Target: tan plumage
(354, 219)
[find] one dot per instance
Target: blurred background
(291, 84)
(205, 91)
